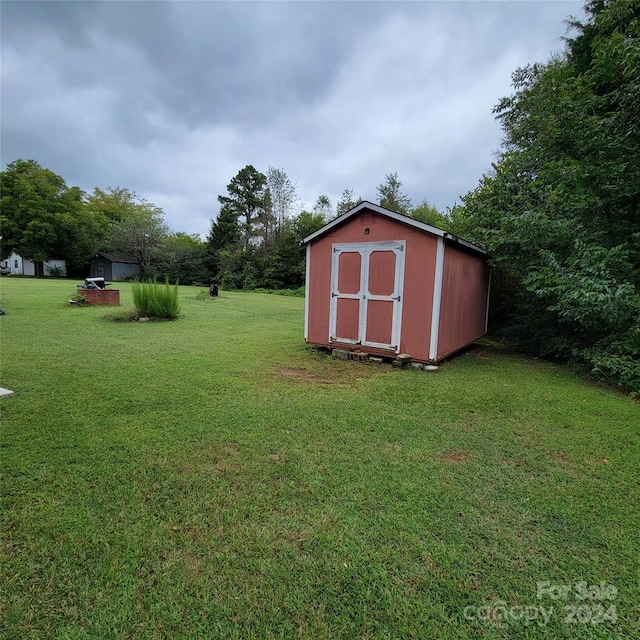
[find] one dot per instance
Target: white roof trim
(465, 243)
(394, 216)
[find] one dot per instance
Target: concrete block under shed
(343, 354)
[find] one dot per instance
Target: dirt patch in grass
(455, 456)
(303, 374)
(562, 457)
(334, 374)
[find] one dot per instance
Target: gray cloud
(173, 98)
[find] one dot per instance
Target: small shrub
(154, 300)
(77, 299)
(129, 315)
(55, 271)
(130, 277)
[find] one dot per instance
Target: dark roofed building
(113, 266)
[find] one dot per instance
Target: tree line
(42, 218)
(253, 242)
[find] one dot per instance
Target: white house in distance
(16, 265)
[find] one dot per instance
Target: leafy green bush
(559, 213)
(202, 295)
(154, 300)
(55, 272)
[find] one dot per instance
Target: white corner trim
(437, 298)
(307, 279)
(486, 318)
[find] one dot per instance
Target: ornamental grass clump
(155, 300)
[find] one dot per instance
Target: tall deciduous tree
(139, 235)
(323, 207)
(113, 203)
(283, 193)
(266, 226)
(111, 206)
(43, 218)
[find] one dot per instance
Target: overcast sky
(172, 99)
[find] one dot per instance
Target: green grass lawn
(213, 477)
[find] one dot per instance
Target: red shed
(383, 283)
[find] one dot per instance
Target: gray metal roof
(118, 257)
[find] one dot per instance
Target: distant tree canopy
(429, 214)
(255, 240)
(41, 217)
(130, 225)
(347, 201)
(181, 258)
(560, 212)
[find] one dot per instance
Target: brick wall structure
(101, 296)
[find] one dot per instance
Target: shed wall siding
(56, 264)
(101, 267)
(121, 270)
(464, 300)
(28, 267)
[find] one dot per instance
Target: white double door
(366, 294)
